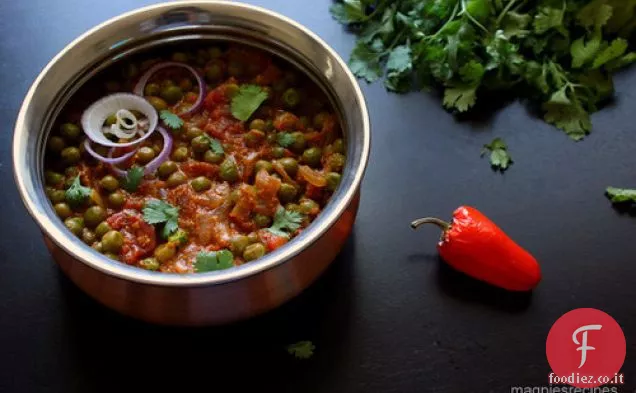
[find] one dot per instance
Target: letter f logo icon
(583, 344)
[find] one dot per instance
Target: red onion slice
(154, 164)
(110, 159)
(141, 84)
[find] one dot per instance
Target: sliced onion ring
(154, 164)
(110, 159)
(141, 84)
(93, 118)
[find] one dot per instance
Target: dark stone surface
(387, 317)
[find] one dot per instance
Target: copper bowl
(208, 298)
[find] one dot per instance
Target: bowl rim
(271, 260)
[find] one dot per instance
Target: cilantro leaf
(349, 11)
(171, 120)
(212, 261)
(399, 66)
(214, 143)
(583, 52)
(133, 177)
(77, 194)
(567, 115)
(621, 195)
(595, 14)
(285, 222)
(499, 157)
(616, 49)
(285, 139)
(301, 349)
(247, 101)
(365, 63)
(157, 212)
(460, 97)
(548, 18)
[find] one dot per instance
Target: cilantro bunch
(559, 54)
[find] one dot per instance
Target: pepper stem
(443, 225)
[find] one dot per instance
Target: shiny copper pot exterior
(208, 298)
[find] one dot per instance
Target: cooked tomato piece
(139, 236)
(272, 241)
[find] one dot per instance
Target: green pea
(257, 124)
(180, 154)
(214, 52)
(201, 183)
(63, 210)
(111, 255)
(238, 244)
(262, 221)
(333, 180)
(56, 144)
(262, 164)
(94, 215)
(312, 156)
(193, 132)
(180, 57)
(167, 83)
(231, 89)
(235, 69)
(319, 119)
(308, 206)
(287, 193)
(229, 169)
(200, 144)
(70, 155)
(272, 139)
(234, 196)
(338, 146)
(57, 196)
(152, 89)
(290, 165)
(165, 251)
(53, 178)
(98, 246)
(180, 237)
(185, 84)
(213, 72)
(145, 155)
(299, 141)
(172, 94)
(253, 251)
(336, 162)
(278, 152)
(101, 229)
(252, 237)
(88, 236)
(254, 137)
(116, 199)
(149, 264)
(176, 179)
(109, 183)
(158, 103)
(70, 131)
(269, 125)
(167, 168)
(212, 157)
(112, 241)
(75, 225)
(291, 97)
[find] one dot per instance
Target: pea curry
(194, 160)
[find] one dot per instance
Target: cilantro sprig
(212, 261)
(558, 54)
(499, 157)
(171, 120)
(133, 178)
(77, 194)
(215, 144)
(160, 212)
(301, 349)
(621, 195)
(247, 101)
(285, 222)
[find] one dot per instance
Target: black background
(387, 316)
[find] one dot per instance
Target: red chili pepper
(475, 246)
